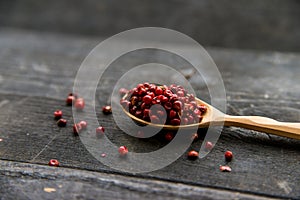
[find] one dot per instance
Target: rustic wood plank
(21, 179)
(263, 164)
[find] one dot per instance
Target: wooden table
(37, 71)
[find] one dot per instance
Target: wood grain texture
(37, 73)
(20, 179)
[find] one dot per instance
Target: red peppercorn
(159, 91)
(208, 145)
(83, 124)
(72, 94)
(154, 119)
(169, 136)
(123, 150)
(61, 122)
(123, 91)
(202, 108)
(147, 99)
(125, 103)
(100, 131)
(70, 100)
(172, 114)
(179, 106)
(53, 162)
(77, 128)
(57, 114)
(225, 169)
(106, 110)
(175, 122)
(79, 104)
(193, 155)
(194, 136)
(228, 156)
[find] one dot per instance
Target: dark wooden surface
(259, 24)
(38, 70)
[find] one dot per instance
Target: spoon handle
(264, 124)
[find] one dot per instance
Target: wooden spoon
(215, 117)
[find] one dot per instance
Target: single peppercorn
(83, 124)
(70, 100)
(123, 150)
(61, 122)
(79, 104)
(77, 128)
(169, 136)
(193, 155)
(106, 110)
(100, 131)
(194, 137)
(72, 94)
(58, 114)
(208, 145)
(53, 162)
(123, 91)
(225, 169)
(228, 156)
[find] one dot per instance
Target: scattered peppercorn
(225, 169)
(169, 136)
(123, 91)
(228, 156)
(100, 131)
(194, 137)
(208, 145)
(193, 155)
(106, 110)
(75, 95)
(83, 124)
(57, 114)
(70, 100)
(79, 104)
(123, 150)
(77, 128)
(61, 122)
(53, 162)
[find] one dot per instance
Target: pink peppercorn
(225, 169)
(70, 100)
(53, 162)
(123, 150)
(169, 136)
(83, 124)
(193, 155)
(106, 110)
(100, 131)
(79, 104)
(58, 114)
(77, 129)
(208, 145)
(61, 122)
(228, 156)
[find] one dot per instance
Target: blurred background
(240, 24)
